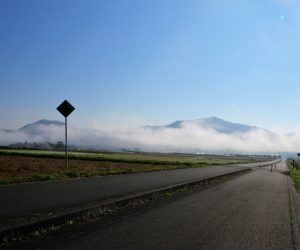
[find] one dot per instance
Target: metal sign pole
(66, 108)
(66, 143)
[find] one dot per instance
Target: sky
(131, 62)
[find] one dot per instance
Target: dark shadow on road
(284, 172)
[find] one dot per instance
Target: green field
(37, 165)
(295, 173)
(134, 157)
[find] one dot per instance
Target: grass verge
(295, 173)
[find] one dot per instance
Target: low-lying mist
(188, 138)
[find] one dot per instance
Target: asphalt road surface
(247, 212)
(30, 199)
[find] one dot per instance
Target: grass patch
(295, 173)
(33, 178)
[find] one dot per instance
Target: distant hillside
(43, 122)
(31, 128)
(208, 135)
(214, 123)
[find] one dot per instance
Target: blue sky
(150, 62)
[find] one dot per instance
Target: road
(248, 212)
(33, 199)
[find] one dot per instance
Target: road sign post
(66, 142)
(66, 108)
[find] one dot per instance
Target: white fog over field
(187, 137)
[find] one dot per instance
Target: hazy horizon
(188, 137)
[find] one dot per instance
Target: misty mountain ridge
(41, 122)
(215, 123)
(209, 135)
(35, 128)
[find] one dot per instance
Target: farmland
(38, 165)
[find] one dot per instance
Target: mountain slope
(41, 122)
(34, 128)
(214, 123)
(202, 135)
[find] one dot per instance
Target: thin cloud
(188, 138)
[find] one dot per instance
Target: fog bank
(188, 138)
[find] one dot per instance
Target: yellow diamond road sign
(65, 108)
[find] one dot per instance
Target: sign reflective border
(65, 108)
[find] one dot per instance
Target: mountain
(215, 123)
(43, 122)
(202, 135)
(35, 128)
(42, 134)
